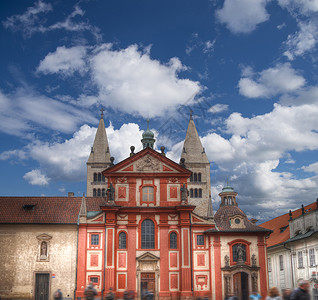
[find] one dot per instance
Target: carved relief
(148, 164)
(173, 180)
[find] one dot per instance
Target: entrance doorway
(147, 283)
(240, 281)
(42, 285)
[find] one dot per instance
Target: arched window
(195, 177)
(199, 177)
(147, 194)
(122, 241)
(99, 177)
(173, 240)
(95, 177)
(103, 193)
(195, 193)
(191, 193)
(94, 192)
(98, 193)
(239, 251)
(191, 178)
(200, 193)
(230, 200)
(147, 234)
(103, 178)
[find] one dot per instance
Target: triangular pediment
(147, 161)
(148, 257)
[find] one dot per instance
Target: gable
(147, 161)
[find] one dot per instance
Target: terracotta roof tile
(279, 236)
(47, 210)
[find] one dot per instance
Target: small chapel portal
(240, 281)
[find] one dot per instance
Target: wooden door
(237, 285)
(42, 284)
(148, 283)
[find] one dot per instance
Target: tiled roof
(47, 210)
(222, 221)
(279, 236)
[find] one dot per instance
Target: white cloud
(64, 60)
(311, 168)
(67, 160)
(35, 177)
(129, 80)
(304, 6)
(32, 21)
(280, 79)
(243, 16)
(32, 110)
(302, 41)
(217, 108)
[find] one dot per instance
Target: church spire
(193, 150)
(195, 159)
(100, 150)
(98, 161)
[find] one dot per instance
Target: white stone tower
(196, 160)
(99, 160)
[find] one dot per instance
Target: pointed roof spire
(193, 151)
(100, 150)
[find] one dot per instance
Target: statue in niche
(253, 260)
(43, 253)
(227, 260)
(240, 252)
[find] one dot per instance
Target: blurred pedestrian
(90, 292)
(273, 294)
(58, 295)
(287, 293)
(302, 292)
(110, 294)
(255, 295)
(231, 296)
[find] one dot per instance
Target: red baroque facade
(146, 236)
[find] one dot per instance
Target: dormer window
(29, 206)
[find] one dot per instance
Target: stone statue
(253, 260)
(43, 250)
(240, 252)
(227, 260)
(111, 193)
(184, 194)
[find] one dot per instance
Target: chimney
(70, 194)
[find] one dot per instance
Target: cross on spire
(102, 112)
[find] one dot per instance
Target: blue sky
(247, 69)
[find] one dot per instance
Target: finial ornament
(191, 112)
(101, 113)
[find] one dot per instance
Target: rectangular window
(300, 260)
(312, 258)
(281, 263)
(269, 262)
(94, 239)
(200, 240)
(94, 279)
(147, 194)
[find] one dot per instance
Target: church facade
(146, 224)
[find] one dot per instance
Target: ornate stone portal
(148, 271)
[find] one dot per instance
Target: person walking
(273, 294)
(58, 295)
(287, 293)
(90, 292)
(302, 292)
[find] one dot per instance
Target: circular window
(237, 221)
